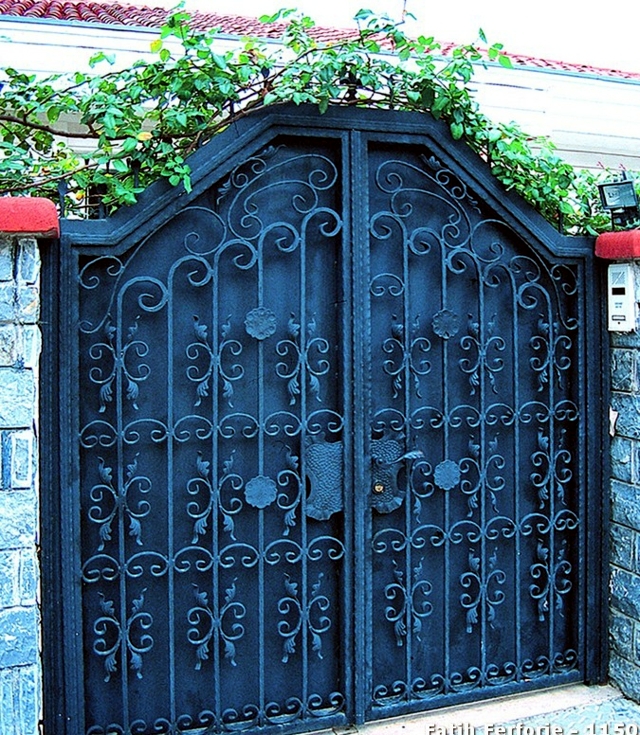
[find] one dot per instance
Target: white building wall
(592, 120)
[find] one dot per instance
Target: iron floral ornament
(260, 491)
(260, 322)
(446, 324)
(447, 475)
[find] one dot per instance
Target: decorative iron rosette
(260, 322)
(446, 324)
(447, 475)
(260, 491)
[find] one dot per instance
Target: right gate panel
(475, 582)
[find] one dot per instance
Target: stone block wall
(20, 670)
(624, 601)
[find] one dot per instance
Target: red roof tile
(131, 15)
(114, 13)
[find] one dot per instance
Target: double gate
(322, 440)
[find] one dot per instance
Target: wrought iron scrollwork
(114, 634)
(215, 442)
(491, 407)
(408, 604)
(206, 625)
(298, 616)
(210, 402)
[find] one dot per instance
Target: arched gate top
(160, 202)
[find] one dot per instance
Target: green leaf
(279, 15)
(129, 145)
(156, 110)
(119, 165)
(53, 114)
(220, 61)
(102, 56)
(457, 130)
(427, 95)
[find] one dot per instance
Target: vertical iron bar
(170, 529)
(593, 358)
(582, 491)
(407, 413)
(56, 432)
(215, 528)
(261, 512)
(516, 474)
(483, 366)
(303, 417)
(360, 336)
(68, 423)
(552, 490)
(121, 528)
(447, 502)
(347, 369)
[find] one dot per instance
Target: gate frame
(62, 657)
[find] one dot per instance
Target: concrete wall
(20, 670)
(625, 509)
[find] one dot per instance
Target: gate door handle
(414, 454)
(386, 495)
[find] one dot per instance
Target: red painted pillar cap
(34, 216)
(618, 245)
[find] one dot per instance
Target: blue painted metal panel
(212, 450)
(326, 453)
(477, 470)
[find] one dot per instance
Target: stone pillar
(20, 620)
(624, 535)
(625, 512)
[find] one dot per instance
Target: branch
(4, 117)
(48, 180)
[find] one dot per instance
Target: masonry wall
(20, 670)
(625, 510)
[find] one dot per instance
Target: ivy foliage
(118, 131)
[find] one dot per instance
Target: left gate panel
(211, 394)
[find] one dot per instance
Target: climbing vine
(117, 131)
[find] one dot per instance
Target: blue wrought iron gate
(322, 440)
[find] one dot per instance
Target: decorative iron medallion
(260, 491)
(260, 323)
(447, 475)
(446, 324)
